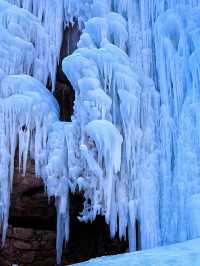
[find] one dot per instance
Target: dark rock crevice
(65, 96)
(64, 92)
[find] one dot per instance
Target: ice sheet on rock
(22, 126)
(24, 44)
(112, 27)
(24, 84)
(177, 58)
(54, 16)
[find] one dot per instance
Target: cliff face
(31, 234)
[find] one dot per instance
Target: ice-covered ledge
(182, 254)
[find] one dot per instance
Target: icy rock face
(50, 16)
(23, 44)
(22, 125)
(132, 147)
(53, 15)
(28, 111)
(177, 56)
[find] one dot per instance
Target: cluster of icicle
(133, 145)
(30, 42)
(29, 113)
(177, 35)
(136, 79)
(112, 101)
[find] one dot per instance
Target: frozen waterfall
(133, 146)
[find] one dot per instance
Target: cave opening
(65, 96)
(89, 240)
(86, 240)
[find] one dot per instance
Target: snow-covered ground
(183, 254)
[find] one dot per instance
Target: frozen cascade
(134, 111)
(132, 147)
(23, 44)
(122, 48)
(54, 15)
(177, 32)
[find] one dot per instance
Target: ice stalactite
(56, 179)
(177, 34)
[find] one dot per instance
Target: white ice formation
(28, 111)
(133, 145)
(143, 55)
